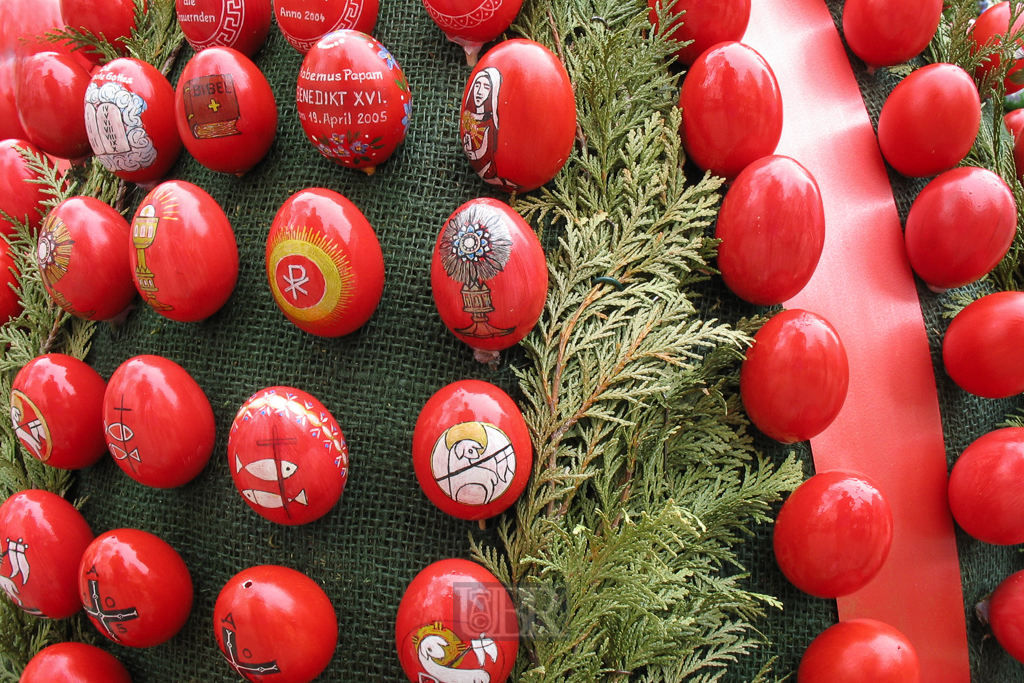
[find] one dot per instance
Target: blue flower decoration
(408, 113)
(386, 56)
(472, 242)
(360, 147)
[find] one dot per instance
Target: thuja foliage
(621, 554)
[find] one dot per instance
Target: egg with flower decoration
(489, 276)
(304, 22)
(456, 622)
(241, 25)
(471, 23)
(129, 118)
(471, 450)
(353, 100)
(518, 117)
(287, 455)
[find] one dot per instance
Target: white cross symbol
(295, 278)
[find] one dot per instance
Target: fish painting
(266, 469)
(270, 500)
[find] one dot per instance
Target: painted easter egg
(324, 263)
(129, 117)
(886, 33)
(158, 423)
(353, 100)
(471, 23)
(50, 88)
(242, 25)
(108, 19)
(277, 623)
(76, 662)
(456, 622)
(518, 118)
(489, 276)
(982, 347)
(304, 22)
(471, 450)
(42, 539)
(225, 110)
(82, 258)
(56, 411)
(701, 23)
(20, 198)
(287, 455)
(135, 587)
(183, 253)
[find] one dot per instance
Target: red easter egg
(158, 422)
(324, 263)
(794, 380)
(10, 125)
(56, 411)
(19, 197)
(982, 347)
(74, 662)
(304, 22)
(960, 226)
(353, 100)
(471, 23)
(983, 487)
(1006, 615)
(82, 259)
(471, 450)
(135, 587)
(732, 109)
(859, 650)
(10, 299)
(489, 276)
(274, 623)
(242, 25)
(24, 25)
(989, 29)
(772, 228)
(884, 33)
(704, 22)
(129, 115)
(109, 19)
(50, 88)
(43, 538)
(930, 120)
(225, 110)
(287, 455)
(456, 622)
(518, 119)
(833, 534)
(183, 254)
(1015, 124)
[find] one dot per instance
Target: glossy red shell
(75, 662)
(471, 450)
(705, 22)
(82, 258)
(324, 263)
(990, 28)
(732, 109)
(135, 588)
(471, 23)
(794, 380)
(982, 347)
(242, 25)
(453, 607)
(225, 110)
(304, 22)
(488, 275)
(274, 623)
(518, 119)
(56, 410)
(110, 19)
(984, 493)
(287, 455)
(1014, 121)
(353, 100)
(50, 88)
(183, 253)
(10, 301)
(19, 198)
(10, 125)
(158, 423)
(930, 120)
(772, 228)
(833, 534)
(129, 115)
(960, 226)
(857, 651)
(43, 539)
(1006, 607)
(884, 33)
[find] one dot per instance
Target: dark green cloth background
(383, 531)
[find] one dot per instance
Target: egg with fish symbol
(287, 455)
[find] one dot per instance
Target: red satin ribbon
(889, 428)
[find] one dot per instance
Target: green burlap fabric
(383, 531)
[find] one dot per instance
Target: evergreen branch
(157, 37)
(80, 39)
